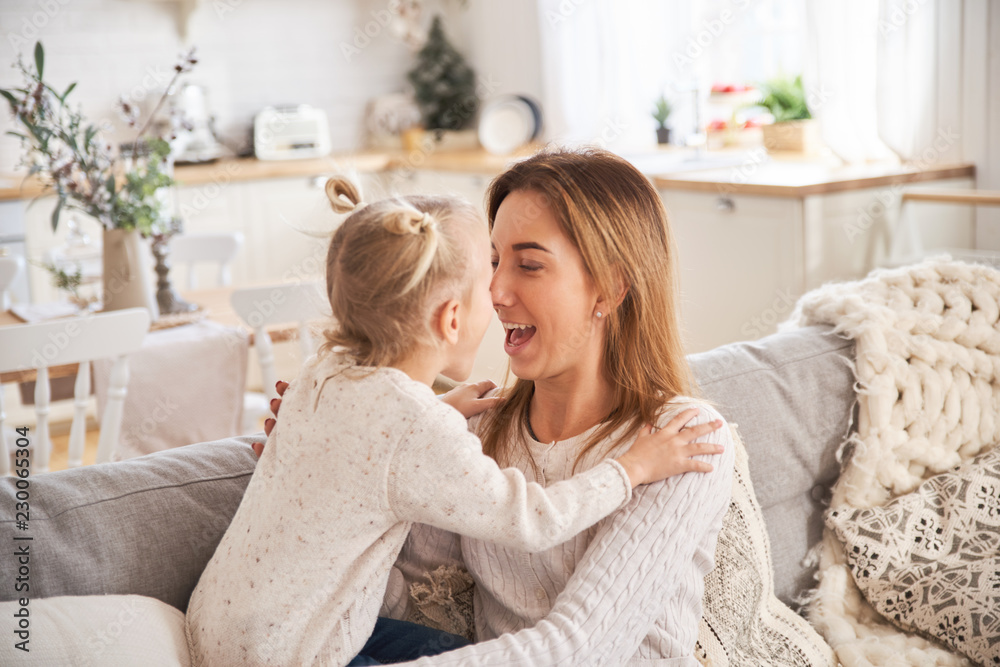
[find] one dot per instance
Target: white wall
(252, 53)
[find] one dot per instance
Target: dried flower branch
(70, 157)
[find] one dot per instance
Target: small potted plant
(661, 112)
(793, 128)
(444, 87)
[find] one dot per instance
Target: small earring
(599, 314)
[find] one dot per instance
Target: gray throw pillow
(929, 561)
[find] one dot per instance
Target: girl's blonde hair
(615, 218)
(387, 262)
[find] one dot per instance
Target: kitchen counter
(13, 186)
(797, 177)
(748, 173)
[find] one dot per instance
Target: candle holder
(166, 297)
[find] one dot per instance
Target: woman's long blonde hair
(386, 264)
(615, 218)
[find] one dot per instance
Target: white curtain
(887, 75)
(840, 76)
(604, 62)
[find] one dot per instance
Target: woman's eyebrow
(531, 245)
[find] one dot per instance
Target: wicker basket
(794, 136)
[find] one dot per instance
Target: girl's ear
(448, 321)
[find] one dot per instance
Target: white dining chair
(10, 269)
(77, 340)
(260, 307)
(205, 248)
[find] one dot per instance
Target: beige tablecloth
(186, 385)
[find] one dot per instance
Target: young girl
(364, 449)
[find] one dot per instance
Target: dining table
(213, 305)
(187, 382)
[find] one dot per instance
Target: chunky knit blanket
(928, 384)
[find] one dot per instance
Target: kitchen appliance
(289, 133)
(194, 139)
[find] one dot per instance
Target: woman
(584, 282)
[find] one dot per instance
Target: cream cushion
(105, 630)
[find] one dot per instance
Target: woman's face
(541, 292)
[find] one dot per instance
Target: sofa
(149, 525)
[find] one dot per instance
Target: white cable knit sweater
(627, 591)
(358, 455)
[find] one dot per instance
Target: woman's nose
(498, 289)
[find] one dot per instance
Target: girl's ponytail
(343, 194)
(408, 220)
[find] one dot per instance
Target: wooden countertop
(783, 176)
(13, 186)
(798, 178)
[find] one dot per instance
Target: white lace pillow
(743, 623)
(929, 561)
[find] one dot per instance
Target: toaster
(289, 133)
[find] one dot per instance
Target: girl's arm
(631, 576)
(440, 476)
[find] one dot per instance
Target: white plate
(505, 125)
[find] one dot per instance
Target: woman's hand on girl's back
(280, 386)
(470, 399)
(670, 450)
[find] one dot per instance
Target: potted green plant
(121, 191)
(793, 128)
(661, 112)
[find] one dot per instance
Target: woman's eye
(494, 263)
(530, 267)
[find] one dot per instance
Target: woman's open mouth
(518, 336)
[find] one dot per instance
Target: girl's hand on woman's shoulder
(670, 450)
(470, 398)
(280, 386)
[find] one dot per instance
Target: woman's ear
(448, 321)
(621, 287)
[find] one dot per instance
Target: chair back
(10, 269)
(77, 340)
(209, 248)
(279, 304)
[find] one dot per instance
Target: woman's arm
(629, 577)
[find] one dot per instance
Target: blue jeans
(398, 641)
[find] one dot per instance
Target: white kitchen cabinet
(740, 260)
(745, 259)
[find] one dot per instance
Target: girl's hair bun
(343, 194)
(409, 220)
